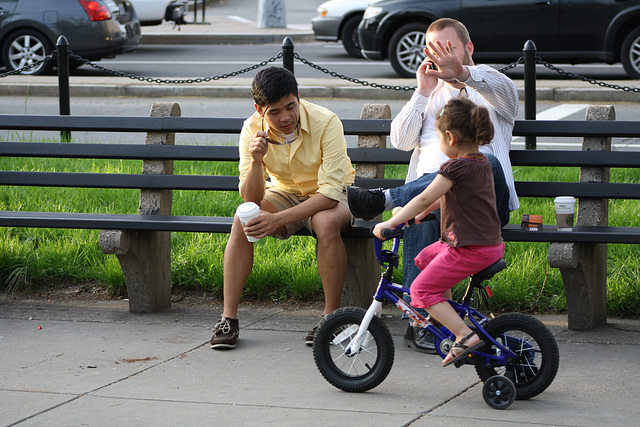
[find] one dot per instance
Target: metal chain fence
(81, 61)
(49, 57)
(585, 79)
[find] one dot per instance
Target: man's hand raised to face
(448, 66)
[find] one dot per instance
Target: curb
(312, 91)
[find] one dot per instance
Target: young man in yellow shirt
(300, 147)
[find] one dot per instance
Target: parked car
(564, 31)
(338, 20)
(95, 29)
(154, 12)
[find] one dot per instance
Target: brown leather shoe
(225, 333)
(312, 334)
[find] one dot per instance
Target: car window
(489, 20)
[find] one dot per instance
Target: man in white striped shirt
(447, 72)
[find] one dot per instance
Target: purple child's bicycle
(353, 348)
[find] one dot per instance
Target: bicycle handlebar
(397, 231)
(394, 233)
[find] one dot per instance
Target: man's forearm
(252, 188)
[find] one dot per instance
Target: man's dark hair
(272, 84)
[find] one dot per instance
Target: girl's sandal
(459, 349)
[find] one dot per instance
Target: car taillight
(96, 10)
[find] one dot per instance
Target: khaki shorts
(282, 200)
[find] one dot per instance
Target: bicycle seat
(488, 272)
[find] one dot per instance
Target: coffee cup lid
(248, 208)
(565, 199)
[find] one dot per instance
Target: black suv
(567, 31)
(95, 29)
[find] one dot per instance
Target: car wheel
(24, 48)
(349, 36)
(630, 54)
(406, 48)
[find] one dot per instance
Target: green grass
(283, 270)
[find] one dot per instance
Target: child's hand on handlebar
(422, 215)
(378, 229)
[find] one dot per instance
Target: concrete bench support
(145, 256)
(363, 271)
(584, 265)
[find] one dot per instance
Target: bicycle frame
(389, 291)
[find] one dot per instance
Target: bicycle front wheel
(362, 370)
(537, 355)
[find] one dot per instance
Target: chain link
(182, 81)
(512, 65)
(585, 79)
(49, 57)
(82, 61)
(350, 79)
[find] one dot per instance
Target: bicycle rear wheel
(363, 370)
(537, 353)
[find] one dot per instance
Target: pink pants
(443, 266)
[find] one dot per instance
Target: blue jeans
(418, 237)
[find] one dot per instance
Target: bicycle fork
(356, 343)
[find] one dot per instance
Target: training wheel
(499, 392)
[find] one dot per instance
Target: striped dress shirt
(414, 127)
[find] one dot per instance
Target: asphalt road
(188, 61)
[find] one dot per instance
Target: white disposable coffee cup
(565, 212)
(246, 212)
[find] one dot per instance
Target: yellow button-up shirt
(316, 162)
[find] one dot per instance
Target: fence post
(529, 89)
(287, 53)
(195, 12)
(62, 46)
(363, 271)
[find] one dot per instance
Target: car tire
(25, 47)
(349, 36)
(630, 54)
(406, 46)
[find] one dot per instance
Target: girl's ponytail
(472, 123)
(482, 123)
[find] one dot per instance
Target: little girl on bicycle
(470, 239)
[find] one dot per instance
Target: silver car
(95, 29)
(338, 20)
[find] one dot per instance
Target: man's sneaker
(420, 340)
(225, 333)
(312, 333)
(365, 204)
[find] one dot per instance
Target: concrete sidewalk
(93, 363)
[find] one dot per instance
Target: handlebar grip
(430, 217)
(388, 234)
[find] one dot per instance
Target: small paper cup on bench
(565, 212)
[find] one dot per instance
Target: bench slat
(119, 151)
(163, 124)
(565, 158)
(202, 224)
(549, 233)
(192, 224)
(127, 181)
(230, 183)
(598, 190)
(541, 128)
